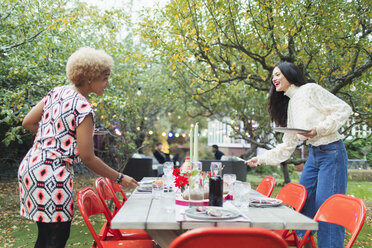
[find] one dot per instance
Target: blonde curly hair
(87, 64)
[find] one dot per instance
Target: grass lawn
(19, 232)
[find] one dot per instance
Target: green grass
(18, 232)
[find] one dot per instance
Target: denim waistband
(333, 143)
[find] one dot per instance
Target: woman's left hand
(129, 182)
(310, 135)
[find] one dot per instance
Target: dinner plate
(265, 202)
(144, 188)
(183, 202)
(225, 213)
(290, 130)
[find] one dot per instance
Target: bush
(360, 175)
(359, 148)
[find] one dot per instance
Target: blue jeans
(325, 174)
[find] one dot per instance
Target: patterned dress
(45, 174)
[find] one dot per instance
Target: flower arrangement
(182, 179)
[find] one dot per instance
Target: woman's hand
(129, 182)
(310, 135)
(253, 162)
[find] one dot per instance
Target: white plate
(144, 188)
(225, 214)
(290, 130)
(265, 202)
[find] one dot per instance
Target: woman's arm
(31, 120)
(336, 110)
(280, 153)
(86, 150)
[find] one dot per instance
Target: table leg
(164, 237)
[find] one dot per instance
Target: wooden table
(141, 211)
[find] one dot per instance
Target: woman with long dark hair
(294, 103)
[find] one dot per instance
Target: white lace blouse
(309, 106)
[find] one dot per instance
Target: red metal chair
(294, 195)
(266, 186)
(105, 193)
(222, 237)
(117, 188)
(90, 204)
(343, 210)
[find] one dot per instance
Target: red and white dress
(45, 174)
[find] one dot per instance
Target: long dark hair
(278, 102)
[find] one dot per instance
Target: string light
(177, 135)
(118, 132)
(151, 132)
(163, 134)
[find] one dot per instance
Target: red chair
(343, 210)
(90, 204)
(117, 188)
(294, 195)
(266, 186)
(105, 193)
(222, 237)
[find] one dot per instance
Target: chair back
(266, 186)
(89, 205)
(221, 237)
(106, 193)
(116, 188)
(343, 210)
(294, 195)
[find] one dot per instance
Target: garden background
(179, 63)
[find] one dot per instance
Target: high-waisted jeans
(325, 174)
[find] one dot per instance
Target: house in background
(219, 133)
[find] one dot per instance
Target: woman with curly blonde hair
(64, 124)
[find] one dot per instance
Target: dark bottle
(215, 191)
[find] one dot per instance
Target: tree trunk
(284, 166)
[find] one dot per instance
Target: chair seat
(126, 244)
(128, 234)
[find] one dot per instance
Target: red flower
(176, 172)
(181, 181)
(210, 174)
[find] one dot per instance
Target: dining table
(164, 222)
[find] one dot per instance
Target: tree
(221, 53)
(36, 39)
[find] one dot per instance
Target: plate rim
(290, 129)
(278, 203)
(208, 217)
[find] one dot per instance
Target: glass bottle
(216, 185)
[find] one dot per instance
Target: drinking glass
(229, 179)
(157, 189)
(216, 168)
(245, 194)
(196, 190)
(168, 170)
(241, 192)
(169, 200)
(196, 166)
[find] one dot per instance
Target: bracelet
(120, 178)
